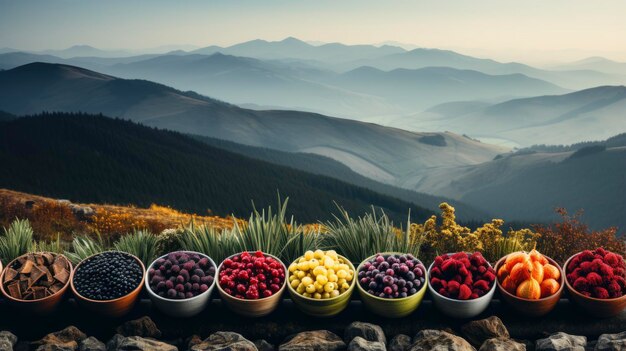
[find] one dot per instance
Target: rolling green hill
(92, 158)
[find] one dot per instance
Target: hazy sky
(507, 30)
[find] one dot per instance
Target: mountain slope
(98, 159)
(529, 186)
(385, 154)
(317, 164)
(590, 114)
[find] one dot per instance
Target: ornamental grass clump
(365, 236)
(16, 241)
(209, 240)
(140, 243)
(270, 232)
(83, 247)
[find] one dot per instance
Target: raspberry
(594, 279)
(600, 293)
(581, 284)
(464, 292)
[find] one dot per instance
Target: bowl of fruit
(596, 281)
(36, 282)
(461, 284)
(391, 284)
(180, 283)
(321, 283)
(108, 283)
(251, 283)
(531, 283)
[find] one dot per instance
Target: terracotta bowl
(324, 307)
(461, 309)
(390, 308)
(185, 307)
(602, 308)
(527, 307)
(41, 306)
(251, 308)
(110, 308)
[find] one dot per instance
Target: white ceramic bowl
(460, 308)
(185, 307)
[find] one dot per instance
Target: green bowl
(391, 308)
(324, 307)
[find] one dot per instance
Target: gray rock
(476, 332)
(66, 339)
(143, 327)
(91, 344)
(263, 345)
(399, 342)
(317, 340)
(502, 344)
(439, 340)
(367, 331)
(55, 347)
(137, 343)
(562, 341)
(114, 342)
(5, 345)
(360, 344)
(193, 340)
(225, 341)
(9, 337)
(608, 342)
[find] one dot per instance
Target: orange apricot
(551, 272)
(515, 258)
(549, 287)
(502, 273)
(537, 272)
(529, 289)
(521, 271)
(509, 285)
(536, 256)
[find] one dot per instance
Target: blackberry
(108, 276)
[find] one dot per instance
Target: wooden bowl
(461, 309)
(602, 308)
(324, 307)
(183, 307)
(528, 307)
(42, 306)
(252, 308)
(110, 308)
(390, 308)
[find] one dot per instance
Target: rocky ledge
(142, 334)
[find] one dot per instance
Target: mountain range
(388, 155)
(362, 82)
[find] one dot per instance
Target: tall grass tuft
(83, 247)
(271, 233)
(140, 243)
(364, 236)
(56, 246)
(209, 241)
(16, 241)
